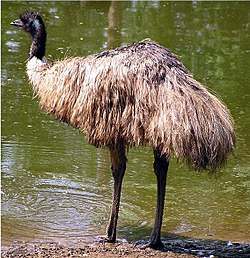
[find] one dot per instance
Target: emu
(134, 95)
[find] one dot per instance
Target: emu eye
(30, 22)
(33, 24)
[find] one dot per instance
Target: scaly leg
(118, 167)
(160, 169)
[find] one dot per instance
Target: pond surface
(56, 187)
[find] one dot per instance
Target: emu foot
(110, 240)
(156, 245)
(105, 239)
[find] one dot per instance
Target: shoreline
(188, 248)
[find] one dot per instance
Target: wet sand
(187, 248)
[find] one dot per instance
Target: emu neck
(38, 44)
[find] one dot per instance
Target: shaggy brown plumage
(142, 94)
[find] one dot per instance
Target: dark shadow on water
(187, 245)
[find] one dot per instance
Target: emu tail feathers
(193, 125)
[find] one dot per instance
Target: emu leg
(118, 167)
(160, 169)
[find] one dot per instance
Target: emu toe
(110, 240)
(155, 242)
(156, 245)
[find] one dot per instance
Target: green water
(56, 187)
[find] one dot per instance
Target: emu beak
(17, 23)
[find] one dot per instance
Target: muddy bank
(104, 251)
(187, 248)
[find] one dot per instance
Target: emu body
(134, 95)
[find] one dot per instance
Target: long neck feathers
(38, 35)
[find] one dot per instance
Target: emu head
(30, 22)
